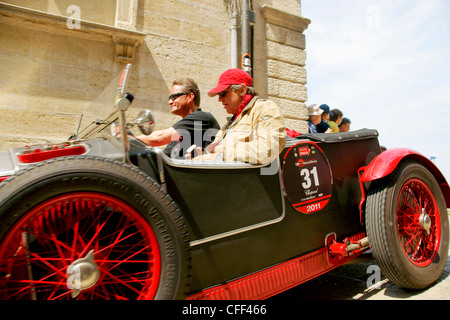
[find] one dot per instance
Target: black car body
(104, 218)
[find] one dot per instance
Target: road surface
(356, 282)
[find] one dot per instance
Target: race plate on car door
(307, 177)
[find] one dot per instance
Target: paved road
(350, 282)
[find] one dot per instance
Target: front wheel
(407, 226)
(92, 229)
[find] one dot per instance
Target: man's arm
(160, 137)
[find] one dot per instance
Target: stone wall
(51, 69)
(286, 59)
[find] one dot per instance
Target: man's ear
(191, 96)
(243, 90)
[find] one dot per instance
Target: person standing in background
(323, 126)
(335, 120)
(315, 116)
(345, 125)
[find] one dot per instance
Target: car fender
(386, 162)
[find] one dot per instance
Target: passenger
(196, 126)
(345, 125)
(255, 133)
(335, 120)
(323, 126)
(315, 116)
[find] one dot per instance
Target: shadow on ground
(354, 282)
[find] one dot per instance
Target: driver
(196, 126)
(255, 133)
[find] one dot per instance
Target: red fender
(385, 163)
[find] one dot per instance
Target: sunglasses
(223, 93)
(175, 96)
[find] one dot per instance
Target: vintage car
(103, 216)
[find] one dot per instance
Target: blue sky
(386, 65)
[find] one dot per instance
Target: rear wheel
(407, 226)
(87, 228)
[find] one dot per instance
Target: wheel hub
(82, 274)
(425, 221)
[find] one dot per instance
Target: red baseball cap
(229, 77)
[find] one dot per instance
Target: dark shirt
(197, 128)
(322, 127)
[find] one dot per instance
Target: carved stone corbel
(125, 48)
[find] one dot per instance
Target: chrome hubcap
(82, 274)
(425, 221)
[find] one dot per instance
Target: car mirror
(145, 121)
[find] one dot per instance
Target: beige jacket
(257, 136)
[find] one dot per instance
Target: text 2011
(313, 207)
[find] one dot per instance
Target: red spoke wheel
(418, 222)
(407, 226)
(90, 229)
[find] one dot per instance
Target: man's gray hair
(250, 90)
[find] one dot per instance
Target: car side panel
(219, 201)
(214, 201)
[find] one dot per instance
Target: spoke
(65, 294)
(99, 228)
(118, 280)
(129, 257)
(37, 282)
(115, 245)
(412, 238)
(118, 239)
(48, 265)
(406, 201)
(75, 229)
(36, 285)
(416, 251)
(56, 243)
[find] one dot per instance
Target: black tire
(410, 248)
(54, 212)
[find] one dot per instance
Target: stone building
(56, 56)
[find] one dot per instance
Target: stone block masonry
(50, 73)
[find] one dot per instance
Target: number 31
(306, 174)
